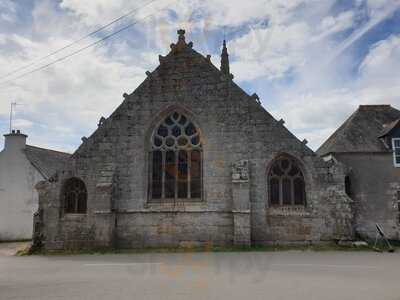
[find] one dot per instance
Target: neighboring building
(21, 168)
(368, 143)
(189, 158)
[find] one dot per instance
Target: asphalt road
(248, 275)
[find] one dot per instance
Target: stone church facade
(189, 158)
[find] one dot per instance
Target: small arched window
(176, 160)
(74, 196)
(286, 183)
(347, 186)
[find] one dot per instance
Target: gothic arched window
(176, 160)
(74, 196)
(286, 183)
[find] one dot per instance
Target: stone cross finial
(181, 34)
(181, 44)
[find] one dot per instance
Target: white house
(21, 168)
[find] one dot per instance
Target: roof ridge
(360, 132)
(342, 127)
(45, 149)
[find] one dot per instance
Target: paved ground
(249, 275)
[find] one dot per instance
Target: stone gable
(114, 163)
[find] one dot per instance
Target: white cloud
(314, 113)
(377, 8)
(381, 61)
(270, 52)
(7, 11)
(22, 123)
(331, 24)
(275, 50)
(275, 40)
(71, 94)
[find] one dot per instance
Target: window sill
(299, 210)
(175, 201)
(179, 205)
(73, 217)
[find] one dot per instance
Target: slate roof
(361, 131)
(46, 161)
(388, 128)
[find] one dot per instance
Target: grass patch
(23, 252)
(270, 248)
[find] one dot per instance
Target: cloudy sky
(312, 62)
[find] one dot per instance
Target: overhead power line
(80, 50)
(76, 41)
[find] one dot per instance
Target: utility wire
(79, 50)
(76, 41)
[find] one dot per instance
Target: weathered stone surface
(364, 144)
(114, 162)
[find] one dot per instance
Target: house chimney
(14, 141)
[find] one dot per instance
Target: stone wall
(374, 187)
(113, 163)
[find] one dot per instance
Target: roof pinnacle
(225, 59)
(181, 35)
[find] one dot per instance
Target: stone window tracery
(176, 160)
(286, 183)
(74, 196)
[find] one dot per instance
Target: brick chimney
(14, 141)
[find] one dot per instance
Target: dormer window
(396, 152)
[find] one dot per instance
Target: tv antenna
(12, 111)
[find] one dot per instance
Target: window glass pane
(170, 174)
(182, 174)
(286, 192)
(69, 202)
(293, 171)
(174, 138)
(190, 129)
(274, 191)
(347, 185)
(81, 202)
(299, 192)
(175, 116)
(170, 142)
(169, 121)
(286, 183)
(182, 141)
(74, 196)
(396, 151)
(285, 164)
(176, 131)
(195, 140)
(157, 175)
(162, 131)
(195, 174)
(277, 170)
(157, 142)
(182, 120)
